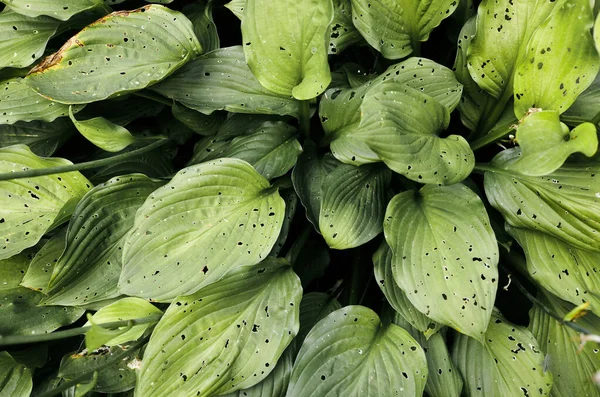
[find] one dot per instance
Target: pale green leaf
(15, 378)
(61, 10)
(508, 362)
(560, 60)
(23, 39)
(351, 353)
(42, 138)
(200, 14)
(122, 52)
(314, 307)
(353, 204)
(209, 219)
(564, 204)
(572, 366)
(342, 33)
(98, 335)
(236, 328)
(221, 80)
(103, 133)
(445, 255)
(89, 268)
(285, 44)
(31, 207)
(382, 261)
(237, 7)
(199, 123)
(42, 265)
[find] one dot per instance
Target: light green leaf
(400, 125)
(445, 255)
(353, 204)
(42, 265)
(272, 150)
(351, 353)
(31, 207)
(123, 309)
(314, 307)
(508, 362)
(200, 14)
(23, 39)
(236, 328)
(42, 138)
(89, 268)
(285, 44)
(342, 33)
(199, 123)
(117, 377)
(550, 77)
(209, 219)
(237, 7)
(15, 379)
(572, 365)
(62, 10)
(382, 261)
(103, 133)
(221, 80)
(122, 52)
(564, 204)
(567, 271)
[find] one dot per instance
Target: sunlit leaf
(15, 378)
(236, 328)
(122, 52)
(103, 133)
(209, 219)
(62, 10)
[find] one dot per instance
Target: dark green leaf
(15, 378)
(200, 14)
(42, 265)
(342, 33)
(42, 138)
(199, 123)
(314, 307)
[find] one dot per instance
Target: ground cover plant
(299, 198)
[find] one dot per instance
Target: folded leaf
(199, 123)
(15, 379)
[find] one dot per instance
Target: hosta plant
(299, 198)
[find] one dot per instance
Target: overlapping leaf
(314, 307)
(15, 378)
(342, 33)
(62, 10)
(122, 52)
(350, 352)
(227, 336)
(121, 110)
(103, 133)
(200, 14)
(585, 107)
(445, 255)
(42, 138)
(30, 207)
(42, 265)
(291, 203)
(209, 219)
(198, 122)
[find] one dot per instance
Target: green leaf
(350, 352)
(571, 364)
(508, 362)
(122, 110)
(382, 261)
(285, 44)
(89, 268)
(314, 307)
(209, 219)
(200, 14)
(342, 33)
(585, 108)
(567, 271)
(118, 377)
(42, 138)
(42, 265)
(546, 143)
(545, 80)
(103, 133)
(445, 255)
(123, 309)
(309, 259)
(219, 330)
(564, 204)
(353, 205)
(199, 123)
(62, 10)
(23, 39)
(291, 203)
(237, 7)
(82, 388)
(15, 378)
(122, 52)
(272, 150)
(31, 207)
(221, 80)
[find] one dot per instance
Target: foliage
(299, 198)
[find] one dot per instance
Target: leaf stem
(22, 339)
(81, 166)
(154, 97)
(304, 115)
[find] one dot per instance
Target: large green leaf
(42, 138)
(122, 52)
(42, 265)
(226, 336)
(221, 80)
(568, 272)
(445, 255)
(572, 365)
(353, 204)
(209, 219)
(546, 143)
(351, 353)
(285, 44)
(89, 268)
(382, 261)
(15, 379)
(508, 362)
(23, 39)
(63, 9)
(30, 207)
(560, 60)
(564, 204)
